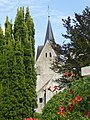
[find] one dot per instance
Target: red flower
(66, 74)
(50, 88)
(55, 88)
(30, 119)
(78, 98)
(72, 74)
(61, 108)
(71, 91)
(72, 101)
(70, 107)
(61, 113)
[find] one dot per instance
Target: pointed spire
(49, 32)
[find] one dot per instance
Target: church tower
(46, 76)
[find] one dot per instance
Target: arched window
(50, 55)
(45, 54)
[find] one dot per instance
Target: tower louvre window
(45, 54)
(50, 55)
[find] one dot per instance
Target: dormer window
(50, 55)
(45, 54)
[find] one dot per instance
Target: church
(46, 54)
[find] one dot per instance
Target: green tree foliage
(76, 53)
(29, 58)
(8, 30)
(24, 26)
(2, 41)
(20, 28)
(1, 59)
(1, 37)
(31, 30)
(17, 72)
(6, 62)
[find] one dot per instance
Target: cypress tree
(20, 28)
(5, 68)
(1, 37)
(27, 44)
(17, 72)
(1, 54)
(31, 30)
(29, 59)
(8, 30)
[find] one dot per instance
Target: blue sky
(39, 11)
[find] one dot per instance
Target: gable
(47, 52)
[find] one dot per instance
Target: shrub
(71, 104)
(38, 115)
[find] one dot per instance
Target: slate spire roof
(49, 33)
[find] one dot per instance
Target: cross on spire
(48, 11)
(49, 33)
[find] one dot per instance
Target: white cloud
(38, 14)
(4, 2)
(7, 5)
(39, 1)
(58, 18)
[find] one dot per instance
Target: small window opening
(45, 54)
(40, 100)
(50, 54)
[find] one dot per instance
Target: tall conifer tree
(17, 72)
(20, 28)
(29, 59)
(1, 37)
(1, 56)
(27, 44)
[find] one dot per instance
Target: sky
(58, 9)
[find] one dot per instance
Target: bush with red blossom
(71, 104)
(30, 118)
